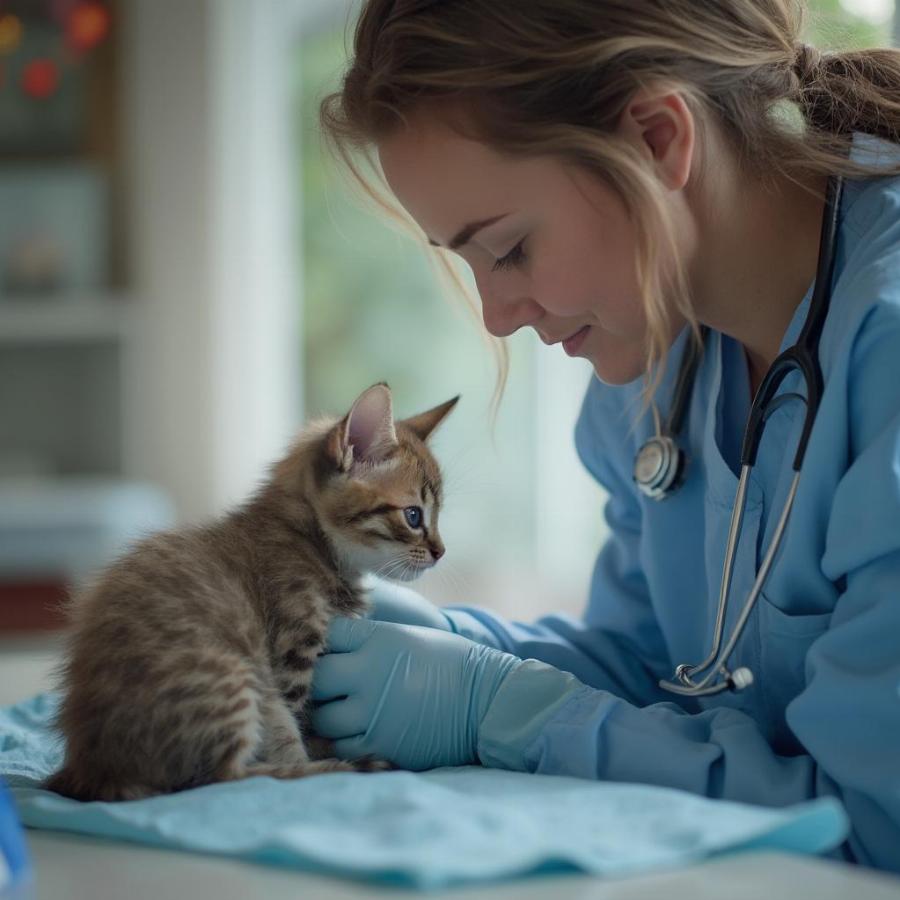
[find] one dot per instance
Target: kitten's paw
(370, 764)
(319, 747)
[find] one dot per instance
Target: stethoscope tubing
(803, 356)
(684, 673)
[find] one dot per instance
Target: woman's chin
(618, 373)
(616, 360)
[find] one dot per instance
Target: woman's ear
(661, 125)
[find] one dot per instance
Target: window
(522, 520)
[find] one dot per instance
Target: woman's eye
(413, 516)
(515, 257)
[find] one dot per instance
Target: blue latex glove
(392, 602)
(15, 867)
(414, 696)
(395, 603)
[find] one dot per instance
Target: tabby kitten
(190, 659)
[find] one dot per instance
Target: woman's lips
(571, 344)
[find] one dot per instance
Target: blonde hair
(552, 77)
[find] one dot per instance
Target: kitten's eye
(413, 516)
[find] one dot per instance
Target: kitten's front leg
(293, 668)
(282, 743)
(295, 648)
(298, 633)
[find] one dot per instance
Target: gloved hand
(415, 696)
(391, 602)
(395, 603)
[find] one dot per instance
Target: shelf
(70, 318)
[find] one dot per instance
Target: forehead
(445, 180)
(407, 473)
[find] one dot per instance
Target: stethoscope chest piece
(659, 467)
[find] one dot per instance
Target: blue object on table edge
(424, 830)
(15, 866)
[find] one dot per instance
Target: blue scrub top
(823, 642)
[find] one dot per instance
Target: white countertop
(73, 867)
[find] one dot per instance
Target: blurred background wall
(184, 278)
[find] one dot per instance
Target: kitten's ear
(424, 423)
(366, 434)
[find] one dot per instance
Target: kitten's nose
(437, 551)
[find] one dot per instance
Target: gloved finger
(346, 635)
(391, 602)
(335, 675)
(340, 718)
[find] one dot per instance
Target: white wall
(214, 383)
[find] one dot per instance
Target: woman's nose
(505, 315)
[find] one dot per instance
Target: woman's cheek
(561, 291)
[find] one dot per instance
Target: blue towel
(425, 830)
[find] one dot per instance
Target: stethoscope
(660, 465)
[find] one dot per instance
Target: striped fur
(190, 659)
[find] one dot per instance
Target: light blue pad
(428, 830)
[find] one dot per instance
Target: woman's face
(550, 247)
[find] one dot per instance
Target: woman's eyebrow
(469, 231)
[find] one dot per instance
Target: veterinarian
(708, 210)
